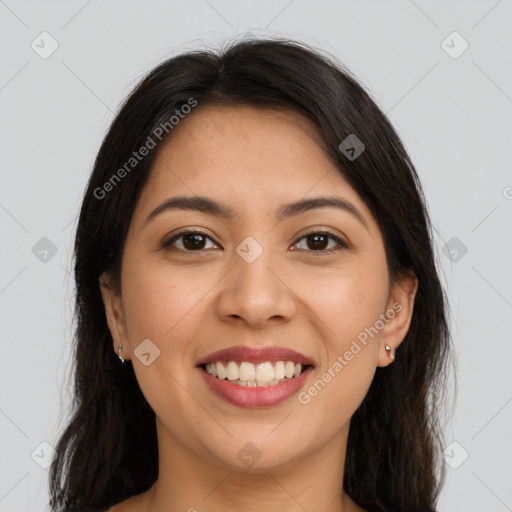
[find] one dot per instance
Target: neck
(189, 482)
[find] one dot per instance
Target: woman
(260, 322)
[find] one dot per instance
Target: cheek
(347, 301)
(349, 304)
(165, 306)
(161, 303)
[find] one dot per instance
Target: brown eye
(195, 241)
(190, 241)
(319, 242)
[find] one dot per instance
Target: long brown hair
(108, 451)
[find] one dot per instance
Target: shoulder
(131, 504)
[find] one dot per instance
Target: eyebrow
(210, 207)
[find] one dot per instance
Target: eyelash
(341, 244)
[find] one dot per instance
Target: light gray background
(455, 117)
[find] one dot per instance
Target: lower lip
(252, 398)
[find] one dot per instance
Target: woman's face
(253, 279)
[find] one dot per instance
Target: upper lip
(255, 355)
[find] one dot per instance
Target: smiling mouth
(247, 374)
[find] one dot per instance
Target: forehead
(234, 138)
(254, 157)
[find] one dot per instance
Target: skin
(190, 304)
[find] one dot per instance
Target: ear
(398, 315)
(115, 314)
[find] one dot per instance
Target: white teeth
(280, 372)
(221, 371)
(247, 371)
(254, 375)
(264, 372)
(290, 369)
(232, 371)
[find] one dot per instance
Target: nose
(256, 293)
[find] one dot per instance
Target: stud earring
(391, 352)
(123, 362)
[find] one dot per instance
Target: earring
(123, 362)
(391, 352)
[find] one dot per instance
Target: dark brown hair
(108, 451)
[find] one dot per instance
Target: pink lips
(259, 396)
(253, 398)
